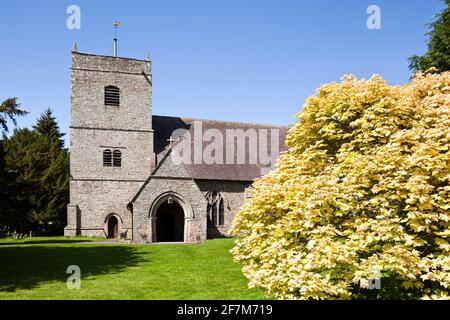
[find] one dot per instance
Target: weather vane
(116, 26)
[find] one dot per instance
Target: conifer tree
(9, 110)
(38, 167)
(47, 125)
(438, 53)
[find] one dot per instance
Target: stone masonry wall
(91, 74)
(94, 198)
(234, 194)
(170, 179)
(97, 191)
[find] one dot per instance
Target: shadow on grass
(25, 267)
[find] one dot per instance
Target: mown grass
(36, 269)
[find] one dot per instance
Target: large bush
(362, 192)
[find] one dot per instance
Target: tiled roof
(164, 127)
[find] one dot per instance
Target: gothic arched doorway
(170, 223)
(113, 227)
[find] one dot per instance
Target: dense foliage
(438, 53)
(362, 192)
(34, 179)
(9, 110)
(47, 126)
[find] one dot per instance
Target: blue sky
(247, 60)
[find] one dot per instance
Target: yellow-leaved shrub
(362, 192)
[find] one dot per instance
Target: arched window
(107, 158)
(112, 96)
(112, 158)
(117, 158)
(214, 214)
(208, 214)
(215, 209)
(221, 212)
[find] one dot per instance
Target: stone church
(123, 179)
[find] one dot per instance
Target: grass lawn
(36, 269)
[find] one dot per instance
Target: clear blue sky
(246, 60)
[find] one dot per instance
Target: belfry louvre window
(107, 158)
(112, 158)
(112, 96)
(215, 209)
(117, 158)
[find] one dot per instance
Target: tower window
(107, 158)
(112, 158)
(117, 158)
(112, 96)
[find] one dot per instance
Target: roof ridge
(226, 121)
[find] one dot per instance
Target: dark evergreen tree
(40, 168)
(9, 110)
(438, 53)
(11, 195)
(14, 198)
(47, 125)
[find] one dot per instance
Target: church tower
(111, 142)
